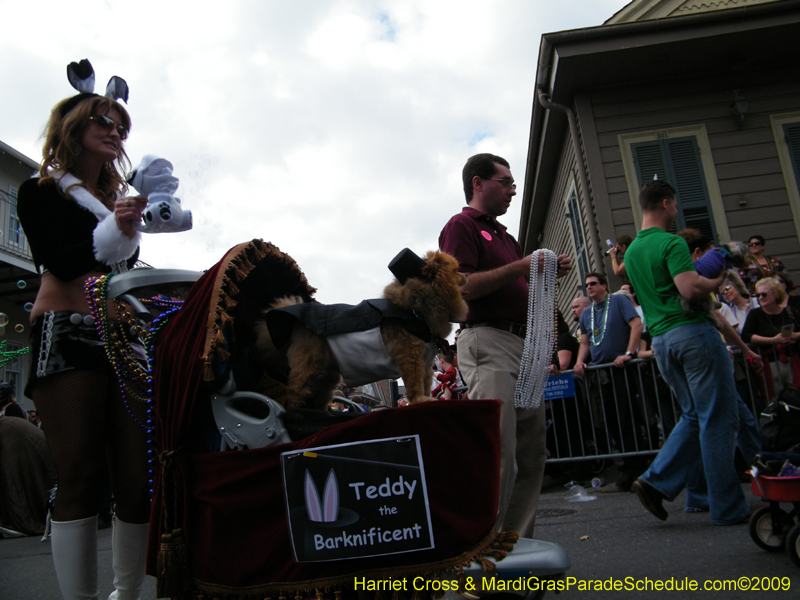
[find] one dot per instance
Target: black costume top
(353, 334)
(760, 323)
(74, 233)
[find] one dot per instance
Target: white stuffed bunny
(153, 179)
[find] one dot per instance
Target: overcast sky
(334, 129)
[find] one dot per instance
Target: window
(11, 370)
(578, 235)
(678, 162)
(681, 156)
(792, 135)
(15, 236)
(786, 130)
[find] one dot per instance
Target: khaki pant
(489, 361)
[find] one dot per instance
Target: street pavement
(610, 538)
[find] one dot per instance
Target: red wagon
(771, 527)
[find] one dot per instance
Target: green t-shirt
(652, 261)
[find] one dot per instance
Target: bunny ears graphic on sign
(153, 179)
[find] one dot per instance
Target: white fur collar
(111, 246)
(80, 194)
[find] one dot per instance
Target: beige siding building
(707, 98)
(19, 281)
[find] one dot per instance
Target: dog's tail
(264, 347)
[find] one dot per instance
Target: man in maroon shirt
(491, 342)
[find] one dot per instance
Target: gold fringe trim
(239, 263)
(342, 586)
(173, 566)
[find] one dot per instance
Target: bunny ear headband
(81, 76)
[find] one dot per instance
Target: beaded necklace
(132, 363)
(7, 355)
(537, 353)
(595, 332)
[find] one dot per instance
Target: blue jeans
(748, 440)
(694, 361)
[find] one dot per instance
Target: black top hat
(405, 265)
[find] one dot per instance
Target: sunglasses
(505, 182)
(108, 124)
(762, 294)
(754, 244)
(591, 283)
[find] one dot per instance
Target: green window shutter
(678, 162)
(792, 134)
(574, 216)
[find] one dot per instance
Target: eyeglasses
(591, 283)
(108, 124)
(727, 288)
(762, 294)
(751, 244)
(505, 182)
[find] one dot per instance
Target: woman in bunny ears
(80, 224)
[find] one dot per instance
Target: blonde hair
(62, 144)
(775, 287)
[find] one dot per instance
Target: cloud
(335, 129)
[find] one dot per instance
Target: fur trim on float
(111, 246)
(495, 544)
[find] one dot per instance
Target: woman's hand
(128, 211)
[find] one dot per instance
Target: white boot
(129, 552)
(74, 547)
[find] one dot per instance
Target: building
(19, 281)
(704, 95)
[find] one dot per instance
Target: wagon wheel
(762, 531)
(793, 544)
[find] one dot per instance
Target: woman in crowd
(79, 224)
(738, 299)
(774, 328)
(618, 254)
(762, 266)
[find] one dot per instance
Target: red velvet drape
(230, 505)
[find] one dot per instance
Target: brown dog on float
(418, 306)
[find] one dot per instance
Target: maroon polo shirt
(480, 243)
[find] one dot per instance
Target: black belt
(516, 328)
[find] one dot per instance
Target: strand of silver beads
(537, 353)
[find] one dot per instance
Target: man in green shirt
(692, 359)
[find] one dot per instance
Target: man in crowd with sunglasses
(610, 333)
(694, 361)
(497, 295)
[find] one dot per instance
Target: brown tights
(83, 416)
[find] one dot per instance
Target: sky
(335, 129)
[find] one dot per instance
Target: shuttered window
(14, 228)
(678, 162)
(792, 133)
(578, 235)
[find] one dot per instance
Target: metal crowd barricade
(630, 411)
(614, 412)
